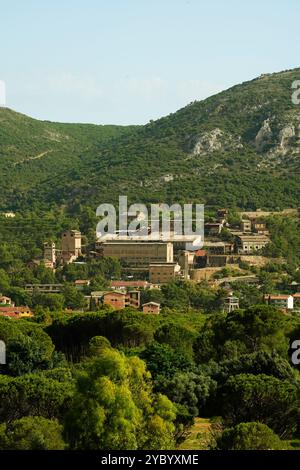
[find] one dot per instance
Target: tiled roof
(279, 297)
(200, 253)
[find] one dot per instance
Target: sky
(129, 61)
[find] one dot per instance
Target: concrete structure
(96, 298)
(259, 227)
(120, 300)
(200, 259)
(124, 285)
(139, 253)
(49, 255)
(44, 288)
(114, 299)
(178, 241)
(204, 274)
(70, 246)
(246, 226)
(162, 273)
(151, 307)
(283, 302)
(251, 243)
(213, 228)
(186, 261)
(218, 248)
(231, 303)
(222, 213)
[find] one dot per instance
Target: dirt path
(41, 155)
(199, 436)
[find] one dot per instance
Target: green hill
(237, 148)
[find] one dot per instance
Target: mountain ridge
(239, 148)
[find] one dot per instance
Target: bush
(250, 436)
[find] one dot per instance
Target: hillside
(237, 148)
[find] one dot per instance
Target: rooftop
(140, 284)
(279, 297)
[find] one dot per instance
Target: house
(16, 312)
(6, 301)
(132, 299)
(251, 243)
(151, 307)
(114, 299)
(96, 298)
(281, 301)
(120, 300)
(218, 248)
(213, 228)
(81, 283)
(200, 259)
(259, 227)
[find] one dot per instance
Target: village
(149, 265)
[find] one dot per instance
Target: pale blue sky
(129, 61)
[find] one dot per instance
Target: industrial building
(70, 246)
(135, 253)
(162, 273)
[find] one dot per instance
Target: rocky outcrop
(215, 140)
(264, 136)
(285, 136)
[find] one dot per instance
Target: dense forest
(125, 380)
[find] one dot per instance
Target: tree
(4, 281)
(191, 389)
(31, 433)
(28, 347)
(250, 436)
(115, 408)
(163, 360)
(55, 302)
(179, 337)
(257, 363)
(260, 327)
(33, 395)
(73, 298)
(263, 398)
